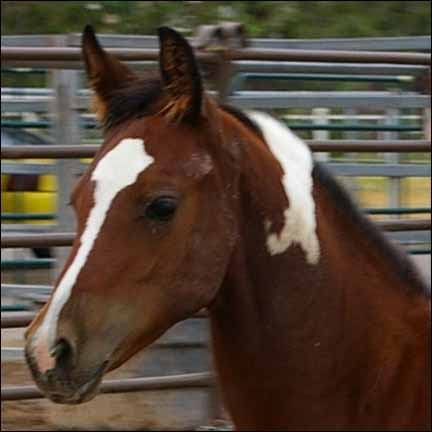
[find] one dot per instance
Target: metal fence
(193, 380)
(357, 57)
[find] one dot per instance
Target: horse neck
(280, 322)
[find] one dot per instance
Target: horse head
(155, 221)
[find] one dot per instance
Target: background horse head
(155, 224)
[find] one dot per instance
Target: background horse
(317, 321)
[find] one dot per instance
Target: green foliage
(294, 19)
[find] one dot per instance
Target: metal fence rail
(16, 319)
(66, 239)
(67, 54)
(268, 100)
(18, 124)
(328, 99)
(396, 211)
(242, 78)
(361, 146)
(192, 380)
(376, 211)
(404, 224)
(23, 319)
(26, 216)
(36, 240)
(28, 264)
(398, 43)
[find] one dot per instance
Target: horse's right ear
(105, 72)
(181, 79)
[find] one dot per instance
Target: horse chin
(69, 393)
(90, 389)
(84, 393)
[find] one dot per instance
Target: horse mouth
(84, 393)
(67, 392)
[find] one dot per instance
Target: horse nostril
(63, 353)
(58, 348)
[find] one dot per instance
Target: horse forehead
(121, 164)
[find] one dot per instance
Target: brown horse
(318, 323)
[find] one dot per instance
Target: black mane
(140, 97)
(402, 264)
(135, 100)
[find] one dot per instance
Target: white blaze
(296, 161)
(118, 169)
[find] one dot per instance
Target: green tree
(293, 19)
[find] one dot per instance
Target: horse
(317, 321)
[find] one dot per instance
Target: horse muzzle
(65, 382)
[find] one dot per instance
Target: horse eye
(161, 209)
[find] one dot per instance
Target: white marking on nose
(119, 168)
(296, 161)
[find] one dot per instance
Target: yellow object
(42, 200)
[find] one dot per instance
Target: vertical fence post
(320, 116)
(66, 131)
(392, 118)
(352, 182)
(427, 111)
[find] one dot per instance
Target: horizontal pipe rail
(49, 151)
(18, 124)
(44, 54)
(23, 319)
(25, 71)
(41, 124)
(405, 224)
(328, 56)
(397, 210)
(420, 251)
(15, 124)
(400, 43)
(241, 78)
(192, 380)
(28, 264)
(36, 240)
(355, 127)
(85, 151)
(26, 216)
(66, 239)
(68, 54)
(15, 308)
(375, 211)
(18, 354)
(297, 99)
(16, 319)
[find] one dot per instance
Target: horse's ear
(180, 77)
(105, 72)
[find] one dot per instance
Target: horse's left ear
(105, 73)
(181, 78)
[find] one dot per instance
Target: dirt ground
(133, 411)
(155, 410)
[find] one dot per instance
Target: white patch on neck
(118, 169)
(296, 161)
